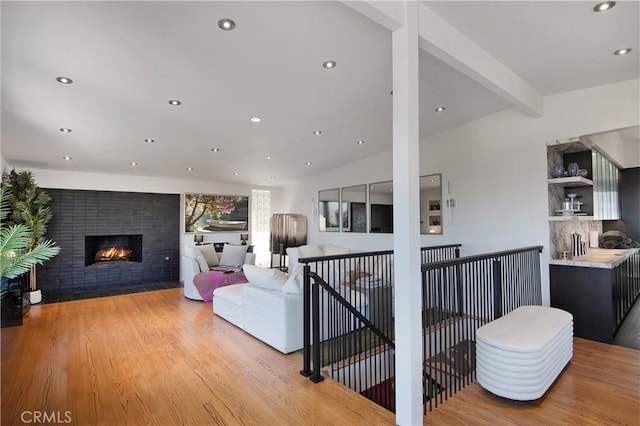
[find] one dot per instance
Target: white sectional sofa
(270, 306)
(271, 316)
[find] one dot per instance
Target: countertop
(598, 258)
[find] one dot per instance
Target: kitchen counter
(598, 258)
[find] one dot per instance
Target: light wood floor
(156, 358)
(600, 386)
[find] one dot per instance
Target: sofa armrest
(273, 317)
(190, 269)
(250, 259)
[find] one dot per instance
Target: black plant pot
(12, 305)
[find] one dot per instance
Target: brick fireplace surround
(79, 216)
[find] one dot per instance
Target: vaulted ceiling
(127, 60)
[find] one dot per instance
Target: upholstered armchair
(197, 259)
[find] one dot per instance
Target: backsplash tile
(560, 234)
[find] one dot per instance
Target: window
(260, 215)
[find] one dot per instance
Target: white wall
(496, 169)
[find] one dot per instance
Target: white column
(406, 221)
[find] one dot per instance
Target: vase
(573, 169)
(558, 171)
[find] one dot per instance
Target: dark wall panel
(78, 213)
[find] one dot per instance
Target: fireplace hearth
(112, 248)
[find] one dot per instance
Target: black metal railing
(348, 319)
(458, 297)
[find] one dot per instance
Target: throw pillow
(294, 284)
(269, 279)
(210, 254)
(293, 255)
(233, 255)
(334, 250)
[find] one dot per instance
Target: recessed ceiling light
(189, 169)
(215, 149)
(65, 130)
(309, 163)
(440, 109)
(175, 102)
(149, 140)
(606, 5)
(236, 174)
(268, 157)
(133, 163)
(329, 65)
(226, 24)
(273, 177)
(360, 142)
(64, 80)
(317, 132)
(66, 157)
(621, 52)
(255, 119)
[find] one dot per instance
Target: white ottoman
(519, 355)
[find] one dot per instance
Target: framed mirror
(381, 207)
(329, 210)
(354, 209)
(431, 211)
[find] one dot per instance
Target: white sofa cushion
(267, 278)
(233, 255)
(294, 283)
(295, 253)
(227, 303)
(334, 250)
(273, 317)
(210, 255)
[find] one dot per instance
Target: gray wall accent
(77, 213)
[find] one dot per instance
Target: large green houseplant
(26, 213)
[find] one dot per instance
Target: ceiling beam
(389, 14)
(440, 39)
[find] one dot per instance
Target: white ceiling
(128, 59)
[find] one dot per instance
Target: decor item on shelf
(17, 257)
(583, 173)
(199, 239)
(573, 169)
(558, 171)
(244, 238)
(28, 206)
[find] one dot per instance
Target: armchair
(193, 262)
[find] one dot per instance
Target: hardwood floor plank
(600, 386)
(156, 358)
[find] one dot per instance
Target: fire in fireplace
(112, 254)
(112, 248)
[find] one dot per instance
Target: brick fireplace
(143, 229)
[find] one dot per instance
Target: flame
(113, 253)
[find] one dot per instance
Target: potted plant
(28, 206)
